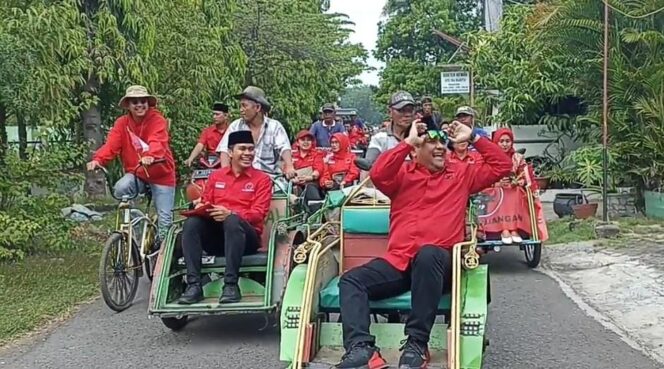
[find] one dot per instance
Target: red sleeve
(261, 205)
(388, 169)
(113, 145)
(157, 138)
(496, 165)
(353, 171)
(319, 165)
(203, 137)
(207, 197)
(325, 175)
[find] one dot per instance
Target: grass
(42, 288)
(47, 287)
(584, 230)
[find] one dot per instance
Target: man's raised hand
(459, 132)
(416, 129)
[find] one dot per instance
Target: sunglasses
(138, 101)
(437, 135)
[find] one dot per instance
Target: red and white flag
(139, 144)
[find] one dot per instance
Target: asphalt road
(533, 325)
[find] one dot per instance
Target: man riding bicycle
(141, 138)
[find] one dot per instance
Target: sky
(365, 14)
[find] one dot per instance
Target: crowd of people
(427, 166)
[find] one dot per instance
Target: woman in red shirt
(308, 163)
(507, 213)
(339, 168)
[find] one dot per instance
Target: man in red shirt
(212, 135)
(428, 204)
(141, 137)
(240, 197)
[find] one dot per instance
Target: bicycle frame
(125, 224)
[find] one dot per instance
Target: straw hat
(137, 91)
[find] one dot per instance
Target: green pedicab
(263, 276)
(309, 335)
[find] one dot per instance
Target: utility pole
(493, 13)
(605, 119)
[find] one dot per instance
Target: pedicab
(311, 337)
(486, 206)
(263, 275)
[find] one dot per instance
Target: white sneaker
(517, 239)
(506, 240)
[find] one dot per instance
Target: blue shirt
(323, 133)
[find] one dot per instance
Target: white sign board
(454, 82)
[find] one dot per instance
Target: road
(533, 325)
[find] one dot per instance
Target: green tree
(361, 98)
(299, 55)
(409, 48)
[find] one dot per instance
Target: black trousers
(232, 238)
(428, 277)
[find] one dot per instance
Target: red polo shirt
(210, 138)
(313, 158)
(430, 208)
(248, 194)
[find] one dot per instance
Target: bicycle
(129, 249)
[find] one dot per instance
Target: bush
(34, 223)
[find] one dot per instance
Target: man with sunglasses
(401, 110)
(427, 217)
(141, 137)
(212, 135)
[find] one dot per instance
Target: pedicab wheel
(118, 279)
(175, 324)
(533, 254)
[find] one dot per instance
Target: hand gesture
(188, 162)
(416, 128)
(92, 165)
(459, 132)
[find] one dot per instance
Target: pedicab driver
(427, 218)
(240, 197)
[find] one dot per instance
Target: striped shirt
(272, 142)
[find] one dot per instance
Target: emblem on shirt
(220, 185)
(249, 187)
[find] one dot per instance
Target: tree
(410, 50)
(361, 98)
(528, 73)
(299, 55)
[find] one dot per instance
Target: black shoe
(415, 354)
(230, 294)
(362, 356)
(192, 295)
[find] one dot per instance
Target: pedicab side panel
(155, 288)
(474, 294)
(169, 282)
(291, 307)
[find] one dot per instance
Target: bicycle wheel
(118, 279)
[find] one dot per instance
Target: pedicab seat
(329, 300)
(366, 220)
(365, 229)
